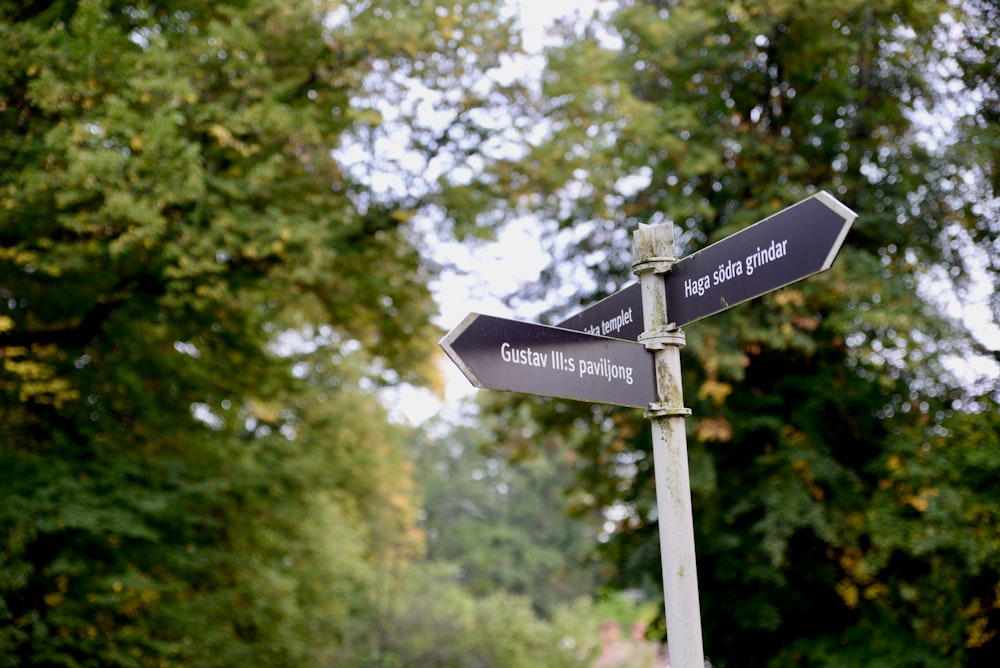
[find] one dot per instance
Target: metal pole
(653, 250)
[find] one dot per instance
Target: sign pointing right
(793, 244)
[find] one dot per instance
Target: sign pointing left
(500, 354)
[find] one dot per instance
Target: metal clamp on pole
(660, 338)
(672, 338)
(663, 411)
(657, 265)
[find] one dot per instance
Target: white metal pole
(654, 254)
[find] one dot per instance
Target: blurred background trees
(218, 228)
(827, 415)
(200, 305)
(507, 524)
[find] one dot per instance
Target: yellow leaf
(715, 390)
(714, 429)
(789, 296)
(848, 593)
(919, 503)
(875, 591)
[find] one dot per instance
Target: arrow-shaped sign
(793, 244)
(501, 354)
(618, 315)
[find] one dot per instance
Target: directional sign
(794, 243)
(501, 354)
(619, 316)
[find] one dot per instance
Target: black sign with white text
(500, 354)
(793, 244)
(618, 316)
(594, 356)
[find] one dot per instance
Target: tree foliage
(827, 429)
(200, 302)
(430, 620)
(215, 224)
(507, 526)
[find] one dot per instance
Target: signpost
(500, 354)
(579, 360)
(653, 250)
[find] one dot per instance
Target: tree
(200, 304)
(713, 116)
(506, 525)
(432, 621)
